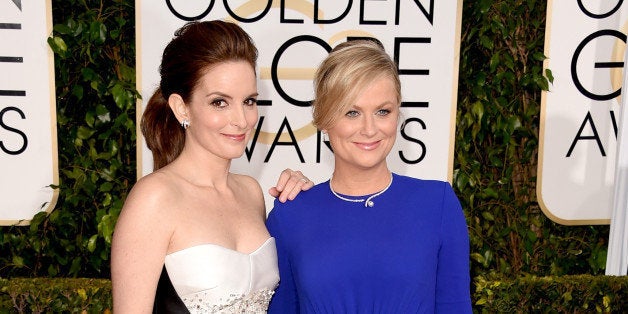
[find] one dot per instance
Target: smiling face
(222, 110)
(365, 132)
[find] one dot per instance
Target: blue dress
(409, 253)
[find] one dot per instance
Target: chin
(368, 164)
(233, 154)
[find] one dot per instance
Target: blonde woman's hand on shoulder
(290, 184)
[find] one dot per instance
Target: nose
(238, 117)
(369, 127)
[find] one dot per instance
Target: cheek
(216, 121)
(344, 129)
(392, 130)
(389, 127)
(251, 117)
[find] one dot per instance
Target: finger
(296, 179)
(273, 192)
(284, 177)
(288, 180)
(283, 195)
(307, 184)
(292, 191)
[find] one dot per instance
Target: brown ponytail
(164, 136)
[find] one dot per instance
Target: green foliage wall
(500, 84)
(499, 94)
(94, 48)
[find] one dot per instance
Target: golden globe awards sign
(28, 141)
(585, 43)
(293, 37)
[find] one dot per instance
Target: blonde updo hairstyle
(348, 69)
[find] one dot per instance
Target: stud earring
(185, 124)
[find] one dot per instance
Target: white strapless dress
(210, 278)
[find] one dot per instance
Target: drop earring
(185, 124)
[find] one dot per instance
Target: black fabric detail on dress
(167, 300)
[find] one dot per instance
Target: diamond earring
(185, 124)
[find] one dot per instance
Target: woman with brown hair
(191, 234)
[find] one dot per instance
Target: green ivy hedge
(500, 84)
(563, 294)
(529, 294)
(55, 295)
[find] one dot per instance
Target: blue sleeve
(453, 280)
(285, 298)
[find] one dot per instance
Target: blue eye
(352, 113)
(383, 112)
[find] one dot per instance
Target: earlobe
(325, 136)
(178, 107)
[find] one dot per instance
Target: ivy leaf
(478, 110)
(77, 91)
(120, 95)
(85, 133)
(98, 32)
(58, 46)
(488, 216)
(491, 193)
(91, 243)
(550, 77)
(484, 6)
(18, 261)
(538, 56)
(82, 294)
(62, 29)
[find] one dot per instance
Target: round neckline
(366, 200)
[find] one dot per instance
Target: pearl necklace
(368, 201)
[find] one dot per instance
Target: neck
(360, 183)
(202, 169)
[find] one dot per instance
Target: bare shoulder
(158, 184)
(248, 187)
(150, 199)
(143, 228)
(247, 182)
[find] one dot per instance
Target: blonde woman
(368, 240)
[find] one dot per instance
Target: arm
(285, 298)
(453, 278)
(289, 184)
(139, 246)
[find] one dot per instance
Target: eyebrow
(378, 106)
(221, 94)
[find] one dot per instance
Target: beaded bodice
(213, 279)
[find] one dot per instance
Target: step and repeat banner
(28, 137)
(585, 43)
(293, 37)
